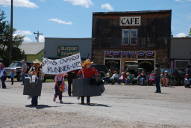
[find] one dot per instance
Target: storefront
(124, 41)
(129, 60)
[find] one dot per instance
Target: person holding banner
(32, 84)
(59, 87)
(87, 72)
(71, 75)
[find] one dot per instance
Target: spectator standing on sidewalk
(12, 76)
(2, 75)
(157, 77)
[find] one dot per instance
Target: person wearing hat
(35, 71)
(87, 72)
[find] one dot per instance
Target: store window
(129, 36)
(113, 65)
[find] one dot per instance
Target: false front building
(123, 39)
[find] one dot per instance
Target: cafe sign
(130, 21)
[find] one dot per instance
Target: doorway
(147, 65)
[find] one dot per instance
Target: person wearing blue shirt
(2, 75)
(12, 75)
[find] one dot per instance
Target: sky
(73, 18)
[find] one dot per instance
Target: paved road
(119, 107)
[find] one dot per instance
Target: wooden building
(120, 39)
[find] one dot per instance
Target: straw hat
(86, 62)
(36, 61)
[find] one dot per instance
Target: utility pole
(11, 34)
(37, 35)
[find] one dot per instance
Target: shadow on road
(65, 103)
(97, 105)
(40, 106)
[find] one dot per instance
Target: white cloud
(19, 3)
(59, 21)
(107, 6)
(23, 32)
(183, 0)
(83, 3)
(27, 39)
(41, 38)
(181, 35)
(42, 0)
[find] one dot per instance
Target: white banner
(63, 65)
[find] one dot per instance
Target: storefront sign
(129, 54)
(130, 21)
(64, 51)
(63, 65)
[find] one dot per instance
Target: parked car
(101, 68)
(17, 68)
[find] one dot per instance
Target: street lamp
(11, 34)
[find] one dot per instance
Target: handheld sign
(60, 66)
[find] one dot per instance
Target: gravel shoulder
(119, 107)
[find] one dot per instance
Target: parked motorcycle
(187, 81)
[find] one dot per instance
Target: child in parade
(35, 72)
(59, 87)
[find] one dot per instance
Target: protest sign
(63, 65)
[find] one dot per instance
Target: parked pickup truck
(17, 68)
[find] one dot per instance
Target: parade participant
(59, 87)
(2, 76)
(71, 76)
(35, 73)
(24, 70)
(87, 72)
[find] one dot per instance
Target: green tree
(5, 35)
(189, 33)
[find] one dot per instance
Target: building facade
(180, 53)
(33, 51)
(62, 47)
(122, 39)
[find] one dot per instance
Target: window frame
(130, 36)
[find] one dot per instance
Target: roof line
(67, 38)
(133, 12)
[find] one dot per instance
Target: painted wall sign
(130, 21)
(129, 54)
(64, 51)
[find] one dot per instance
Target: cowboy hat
(86, 62)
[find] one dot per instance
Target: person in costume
(59, 87)
(87, 72)
(35, 72)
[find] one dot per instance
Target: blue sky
(73, 18)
